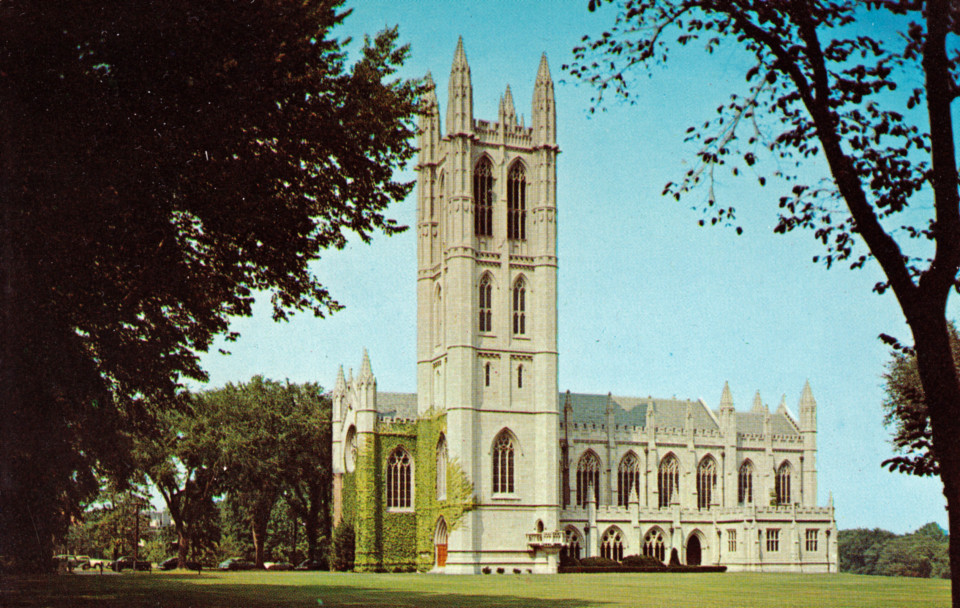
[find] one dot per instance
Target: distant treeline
(922, 554)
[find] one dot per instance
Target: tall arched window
(611, 544)
(442, 468)
(706, 482)
(573, 543)
(438, 197)
(399, 480)
(516, 202)
(668, 479)
(519, 308)
(483, 198)
(588, 472)
(486, 374)
(745, 483)
(520, 376)
(653, 544)
(350, 453)
(784, 474)
(486, 304)
(628, 476)
(503, 459)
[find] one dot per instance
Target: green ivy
(402, 541)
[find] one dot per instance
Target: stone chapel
(488, 466)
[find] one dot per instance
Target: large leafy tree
(161, 163)
(275, 442)
(182, 458)
(823, 84)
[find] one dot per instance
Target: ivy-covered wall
(388, 541)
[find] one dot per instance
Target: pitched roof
(396, 405)
(633, 411)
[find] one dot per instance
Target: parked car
(278, 566)
(171, 562)
(314, 564)
(126, 563)
(236, 563)
(81, 561)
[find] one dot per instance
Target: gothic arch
(573, 542)
(588, 471)
(668, 479)
(440, 194)
(440, 542)
(783, 483)
(518, 299)
(485, 290)
(628, 476)
(399, 479)
(504, 451)
(745, 482)
(655, 543)
(442, 458)
(706, 481)
(483, 197)
(695, 548)
(612, 543)
(517, 200)
(350, 450)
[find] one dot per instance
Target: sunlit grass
(289, 589)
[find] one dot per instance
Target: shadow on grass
(215, 590)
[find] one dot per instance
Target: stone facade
(546, 472)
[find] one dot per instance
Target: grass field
(283, 589)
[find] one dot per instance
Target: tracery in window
(745, 483)
(516, 202)
(483, 198)
(611, 544)
(706, 482)
(442, 468)
(653, 544)
(773, 539)
(668, 480)
(486, 304)
(503, 461)
(783, 484)
(519, 307)
(588, 472)
(628, 476)
(811, 539)
(399, 480)
(573, 543)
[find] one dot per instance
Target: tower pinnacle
(544, 107)
(460, 92)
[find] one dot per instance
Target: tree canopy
(824, 85)
(162, 163)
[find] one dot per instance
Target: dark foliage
(588, 562)
(642, 560)
(161, 163)
(922, 554)
(342, 548)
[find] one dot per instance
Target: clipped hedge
(598, 562)
(644, 561)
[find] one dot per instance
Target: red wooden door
(441, 555)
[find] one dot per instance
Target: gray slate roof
(632, 411)
(396, 405)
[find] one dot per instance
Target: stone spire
(460, 92)
(544, 107)
(806, 397)
(758, 407)
(726, 398)
(808, 409)
(782, 408)
(508, 115)
(366, 373)
(429, 123)
(341, 386)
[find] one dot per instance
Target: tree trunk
(941, 388)
(183, 544)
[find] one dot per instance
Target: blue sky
(649, 302)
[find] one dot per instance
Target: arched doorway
(693, 551)
(440, 543)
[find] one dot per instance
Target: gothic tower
(487, 310)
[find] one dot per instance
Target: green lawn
(281, 590)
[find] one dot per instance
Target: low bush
(342, 548)
(647, 561)
(568, 561)
(598, 562)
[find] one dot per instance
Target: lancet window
(745, 483)
(486, 304)
(628, 476)
(572, 546)
(483, 198)
(516, 202)
(611, 544)
(503, 461)
(519, 308)
(783, 484)
(706, 482)
(399, 480)
(588, 473)
(442, 468)
(668, 480)
(653, 544)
